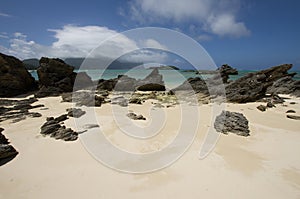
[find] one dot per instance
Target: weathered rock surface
(134, 116)
(14, 78)
(253, 86)
(232, 122)
(120, 100)
(56, 77)
(75, 112)
(53, 128)
(285, 85)
(18, 110)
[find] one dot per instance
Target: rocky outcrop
(17, 110)
(285, 85)
(56, 77)
(153, 82)
(53, 128)
(14, 78)
(232, 122)
(7, 151)
(253, 86)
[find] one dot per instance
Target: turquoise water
(172, 78)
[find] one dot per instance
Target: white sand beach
(264, 165)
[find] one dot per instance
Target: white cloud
(4, 15)
(215, 16)
(79, 41)
(152, 43)
(146, 55)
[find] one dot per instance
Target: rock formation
(56, 77)
(253, 86)
(285, 85)
(14, 78)
(232, 122)
(18, 110)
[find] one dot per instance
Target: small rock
(293, 103)
(75, 112)
(270, 105)
(294, 117)
(90, 126)
(261, 108)
(290, 111)
(134, 116)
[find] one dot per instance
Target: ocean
(172, 78)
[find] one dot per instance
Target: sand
(264, 165)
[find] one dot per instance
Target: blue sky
(245, 34)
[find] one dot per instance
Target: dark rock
(253, 86)
(232, 122)
(151, 87)
(285, 85)
(107, 85)
(14, 78)
(7, 151)
(135, 100)
(18, 110)
(50, 128)
(196, 84)
(262, 108)
(290, 111)
(226, 70)
(294, 117)
(56, 77)
(134, 116)
(75, 112)
(61, 118)
(3, 139)
(293, 103)
(270, 105)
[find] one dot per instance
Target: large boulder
(14, 78)
(56, 77)
(253, 86)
